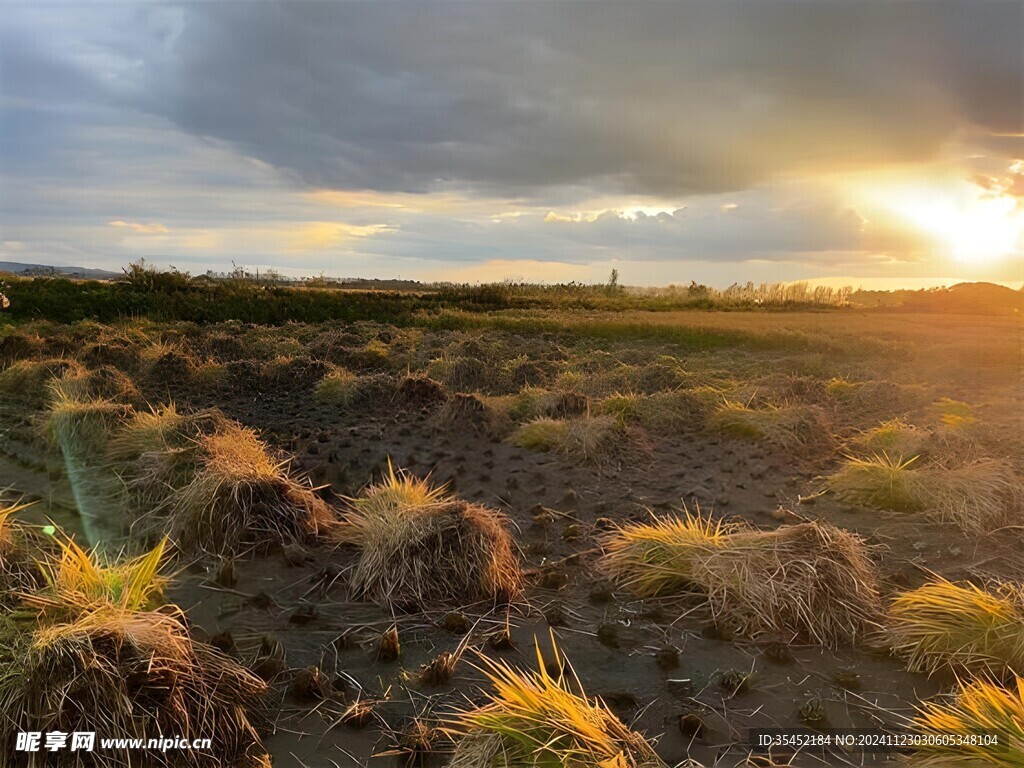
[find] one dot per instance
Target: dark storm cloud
(644, 97)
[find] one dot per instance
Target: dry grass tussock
(26, 380)
(538, 719)
(981, 708)
(211, 483)
(339, 387)
(591, 438)
(104, 383)
(472, 413)
(791, 426)
(421, 547)
(980, 496)
(80, 429)
(129, 674)
(534, 402)
(811, 580)
(962, 627)
(240, 496)
(78, 581)
(660, 412)
(20, 547)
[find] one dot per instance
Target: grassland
(506, 525)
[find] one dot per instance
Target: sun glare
(972, 225)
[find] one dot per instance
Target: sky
(841, 141)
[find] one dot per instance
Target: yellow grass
(81, 581)
(981, 708)
(960, 626)
(980, 496)
(811, 580)
(241, 496)
(584, 439)
(656, 559)
(537, 719)
(131, 674)
(421, 547)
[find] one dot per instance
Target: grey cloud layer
(530, 98)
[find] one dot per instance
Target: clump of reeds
(462, 373)
(658, 412)
(422, 547)
(239, 495)
(811, 580)
(889, 482)
(469, 412)
(539, 719)
(534, 402)
(657, 559)
(26, 380)
(104, 383)
(341, 387)
(79, 581)
(962, 627)
(591, 438)
(979, 709)
(130, 674)
(791, 426)
(979, 496)
(894, 438)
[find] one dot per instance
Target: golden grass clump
(979, 496)
(983, 709)
(790, 426)
(811, 580)
(942, 625)
(421, 547)
(26, 380)
(464, 373)
(160, 428)
(894, 438)
(590, 438)
(239, 496)
(889, 482)
(538, 719)
(130, 674)
(534, 402)
(658, 412)
(339, 387)
(80, 581)
(657, 559)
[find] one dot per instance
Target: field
(429, 538)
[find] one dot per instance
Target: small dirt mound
(420, 392)
(470, 413)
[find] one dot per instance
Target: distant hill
(42, 270)
(962, 298)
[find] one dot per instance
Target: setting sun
(970, 224)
